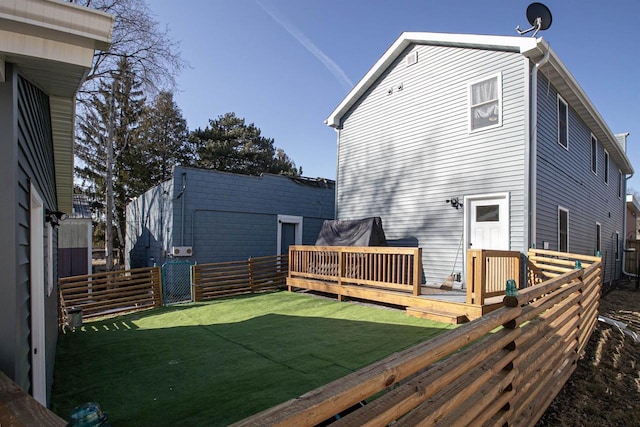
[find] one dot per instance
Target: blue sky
(286, 64)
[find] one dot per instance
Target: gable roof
(53, 43)
(533, 48)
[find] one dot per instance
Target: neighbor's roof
(532, 48)
(53, 43)
(633, 204)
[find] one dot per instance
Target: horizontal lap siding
(565, 179)
(35, 166)
(402, 155)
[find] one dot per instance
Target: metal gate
(176, 282)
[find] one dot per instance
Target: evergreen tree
(230, 145)
(163, 143)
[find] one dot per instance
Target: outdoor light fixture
(455, 202)
(54, 217)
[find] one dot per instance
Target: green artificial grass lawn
(219, 362)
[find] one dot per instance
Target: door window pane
(489, 213)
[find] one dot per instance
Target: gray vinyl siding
(27, 159)
(565, 179)
(227, 217)
(402, 155)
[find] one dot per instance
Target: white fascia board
(516, 44)
(61, 21)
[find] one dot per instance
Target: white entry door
(487, 221)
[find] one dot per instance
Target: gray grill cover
(360, 232)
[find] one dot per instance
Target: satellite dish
(539, 16)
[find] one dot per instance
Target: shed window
(563, 123)
(563, 230)
(485, 102)
(594, 155)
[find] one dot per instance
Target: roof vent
(412, 58)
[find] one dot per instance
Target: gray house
(46, 50)
(209, 216)
(465, 141)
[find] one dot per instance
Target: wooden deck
(443, 306)
(393, 276)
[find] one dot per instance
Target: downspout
(179, 196)
(533, 182)
(335, 189)
(624, 223)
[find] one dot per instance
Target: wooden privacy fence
(488, 272)
(223, 279)
(502, 369)
(384, 267)
(115, 291)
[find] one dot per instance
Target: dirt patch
(605, 388)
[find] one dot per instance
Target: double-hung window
(606, 167)
(594, 155)
(485, 103)
(563, 123)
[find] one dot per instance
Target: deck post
(341, 271)
(417, 270)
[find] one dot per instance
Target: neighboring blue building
(488, 142)
(210, 216)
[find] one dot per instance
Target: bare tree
(154, 58)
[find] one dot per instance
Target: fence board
(104, 293)
(219, 280)
(473, 375)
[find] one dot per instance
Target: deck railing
(397, 269)
(488, 272)
(111, 292)
(502, 369)
(224, 279)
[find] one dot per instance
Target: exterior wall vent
(182, 250)
(412, 58)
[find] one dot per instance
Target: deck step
(437, 315)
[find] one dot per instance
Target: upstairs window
(485, 103)
(606, 167)
(563, 123)
(594, 155)
(619, 184)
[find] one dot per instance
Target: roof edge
(508, 43)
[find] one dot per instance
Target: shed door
(488, 222)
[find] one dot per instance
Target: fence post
(251, 281)
(156, 273)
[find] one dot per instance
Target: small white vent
(412, 58)
(182, 251)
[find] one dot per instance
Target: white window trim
(497, 76)
(606, 167)
(560, 208)
(598, 237)
(594, 154)
(560, 99)
(289, 219)
(617, 249)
